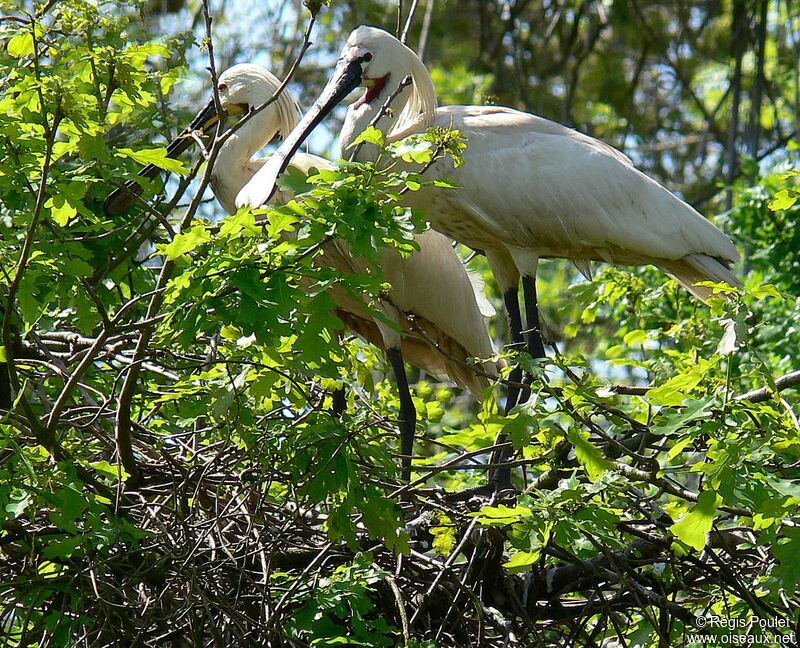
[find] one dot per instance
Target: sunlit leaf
(697, 521)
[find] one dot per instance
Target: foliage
(171, 472)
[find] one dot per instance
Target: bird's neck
(249, 139)
(233, 167)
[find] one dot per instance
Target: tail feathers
(694, 268)
(445, 359)
(584, 266)
(434, 352)
(479, 287)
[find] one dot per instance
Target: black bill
(261, 187)
(122, 199)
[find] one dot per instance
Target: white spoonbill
(529, 188)
(432, 285)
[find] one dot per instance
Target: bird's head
(241, 88)
(371, 58)
(245, 86)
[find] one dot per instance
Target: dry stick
(754, 396)
(426, 29)
(123, 419)
(74, 378)
(212, 68)
(766, 393)
(97, 345)
(401, 608)
(399, 17)
(447, 563)
(409, 20)
(738, 39)
(760, 80)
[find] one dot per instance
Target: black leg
(408, 415)
(6, 395)
(500, 478)
(339, 404)
(511, 301)
(535, 345)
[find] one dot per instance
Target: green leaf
(502, 515)
(109, 470)
(635, 338)
(696, 523)
(675, 390)
(671, 420)
(20, 45)
(60, 210)
(765, 290)
(242, 221)
(478, 435)
(18, 503)
(370, 135)
(590, 456)
(157, 157)
(294, 181)
(784, 199)
(48, 569)
(63, 549)
(185, 242)
(522, 561)
(788, 569)
(520, 428)
(279, 222)
(444, 536)
(413, 149)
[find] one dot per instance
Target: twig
(765, 393)
(426, 29)
(401, 608)
(409, 21)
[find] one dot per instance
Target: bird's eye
(222, 87)
(367, 57)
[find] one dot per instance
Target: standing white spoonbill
(431, 286)
(528, 188)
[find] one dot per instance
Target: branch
(765, 393)
(409, 20)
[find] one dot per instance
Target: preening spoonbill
(529, 188)
(432, 287)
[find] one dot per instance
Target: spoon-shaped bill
(261, 187)
(123, 198)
